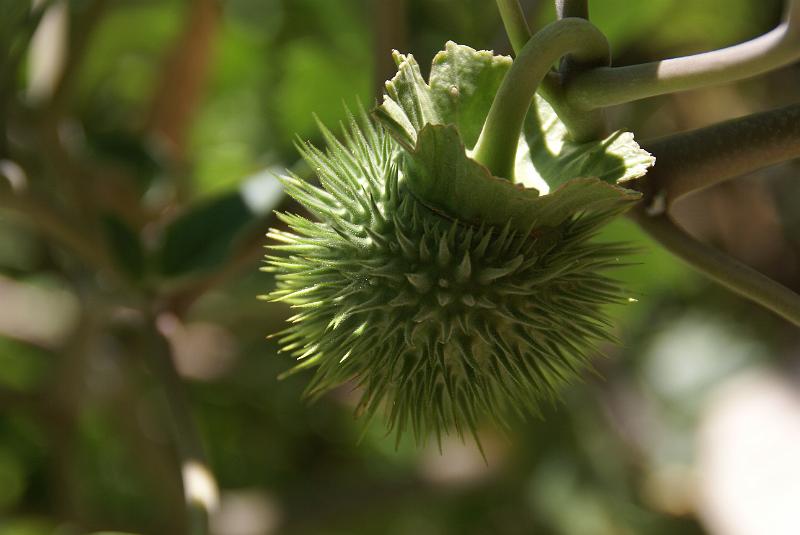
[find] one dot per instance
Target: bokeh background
(139, 145)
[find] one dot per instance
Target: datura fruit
(447, 294)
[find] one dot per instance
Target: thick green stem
(608, 86)
(199, 485)
(720, 267)
(582, 125)
(694, 160)
(497, 145)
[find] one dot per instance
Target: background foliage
(162, 138)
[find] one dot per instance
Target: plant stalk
(690, 161)
(497, 145)
(723, 269)
(581, 125)
(199, 486)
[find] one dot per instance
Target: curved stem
(720, 267)
(566, 9)
(497, 144)
(199, 485)
(608, 86)
(694, 160)
(582, 125)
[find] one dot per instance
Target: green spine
(445, 322)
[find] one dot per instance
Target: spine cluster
(444, 322)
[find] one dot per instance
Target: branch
(694, 160)
(720, 267)
(199, 486)
(497, 144)
(184, 76)
(9, 66)
(608, 86)
(582, 125)
(55, 226)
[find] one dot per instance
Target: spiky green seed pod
(441, 315)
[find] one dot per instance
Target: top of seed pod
(438, 123)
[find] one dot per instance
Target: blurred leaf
(203, 237)
(22, 366)
(125, 246)
(128, 150)
(16, 27)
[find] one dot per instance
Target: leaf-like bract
(438, 123)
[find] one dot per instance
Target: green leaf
(548, 158)
(125, 246)
(439, 122)
(441, 175)
(463, 82)
(205, 236)
(133, 152)
(201, 238)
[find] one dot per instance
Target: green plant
(450, 265)
(451, 272)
